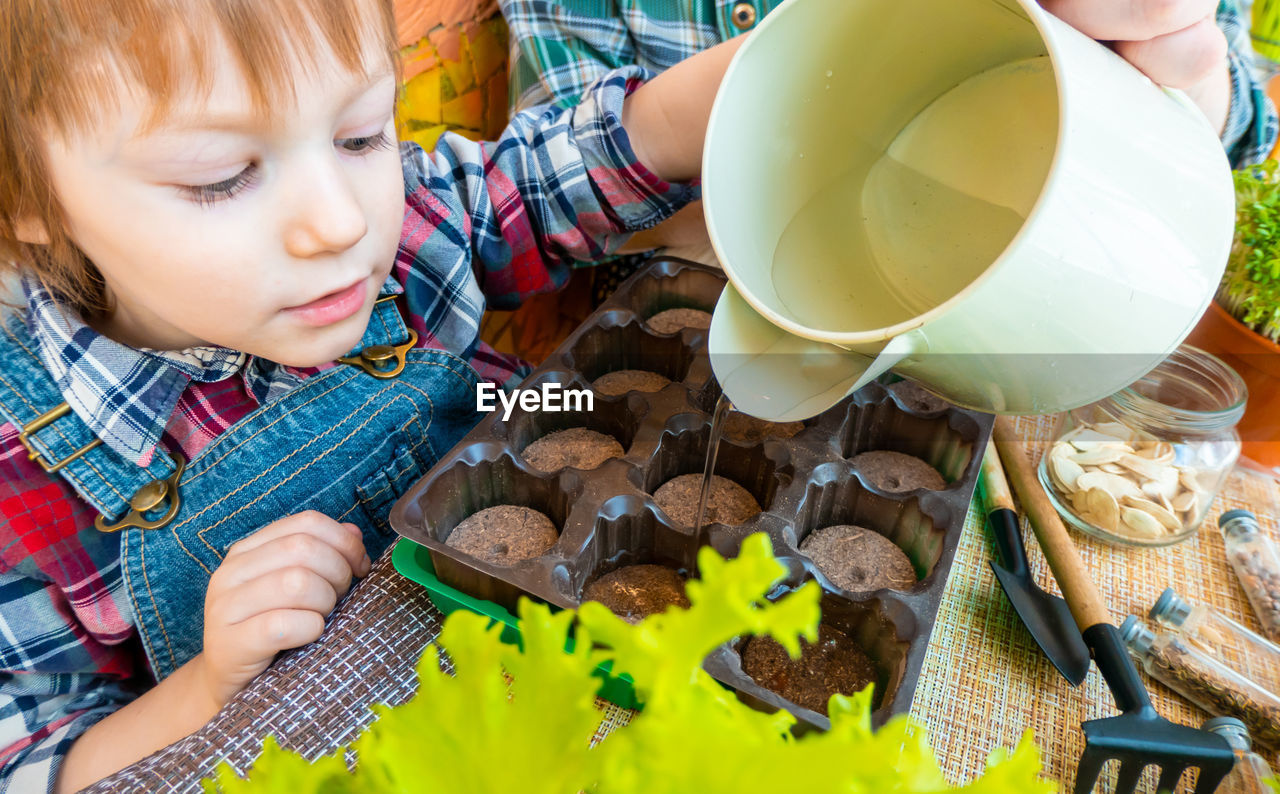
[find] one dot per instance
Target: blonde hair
(65, 61)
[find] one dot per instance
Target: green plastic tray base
(414, 563)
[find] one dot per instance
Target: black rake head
(1142, 738)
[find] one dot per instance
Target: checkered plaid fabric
(558, 47)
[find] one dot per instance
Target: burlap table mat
(984, 682)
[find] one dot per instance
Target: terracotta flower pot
(1257, 359)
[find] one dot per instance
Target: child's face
(218, 227)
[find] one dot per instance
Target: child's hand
(272, 592)
(1177, 43)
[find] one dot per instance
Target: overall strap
(61, 442)
(56, 437)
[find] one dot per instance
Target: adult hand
(1177, 43)
(272, 592)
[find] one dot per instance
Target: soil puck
(915, 397)
(729, 503)
(635, 592)
(835, 664)
(894, 472)
(672, 320)
(619, 382)
(577, 447)
(504, 535)
(859, 559)
(748, 429)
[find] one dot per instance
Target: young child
(247, 322)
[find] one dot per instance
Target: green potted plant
(1242, 325)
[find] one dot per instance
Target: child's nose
(327, 216)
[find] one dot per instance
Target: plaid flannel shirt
(558, 47)
(491, 222)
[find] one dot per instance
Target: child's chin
(326, 349)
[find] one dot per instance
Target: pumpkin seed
(1115, 430)
(1065, 473)
(1186, 502)
(1147, 469)
(1166, 518)
(1189, 481)
(1098, 456)
(1104, 508)
(1141, 524)
(1119, 487)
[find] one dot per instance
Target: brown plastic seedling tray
(607, 516)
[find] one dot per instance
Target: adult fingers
(1129, 20)
(300, 550)
(295, 588)
(343, 537)
(1180, 59)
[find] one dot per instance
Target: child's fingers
(265, 634)
(343, 537)
(1129, 20)
(1180, 59)
(294, 588)
(297, 550)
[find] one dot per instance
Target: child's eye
(365, 144)
(205, 195)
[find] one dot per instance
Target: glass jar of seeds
(1205, 681)
(1142, 466)
(1256, 561)
(1221, 638)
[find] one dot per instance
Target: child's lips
(331, 308)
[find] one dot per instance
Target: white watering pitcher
(969, 192)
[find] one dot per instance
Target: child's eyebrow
(249, 122)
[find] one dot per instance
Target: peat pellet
(915, 397)
(833, 665)
(619, 382)
(635, 592)
(577, 447)
(672, 320)
(729, 503)
(504, 535)
(859, 559)
(894, 472)
(748, 429)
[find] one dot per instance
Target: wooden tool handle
(994, 484)
(1073, 578)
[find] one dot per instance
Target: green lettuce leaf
(523, 720)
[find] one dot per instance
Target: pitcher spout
(772, 374)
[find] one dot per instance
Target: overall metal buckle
(149, 497)
(382, 361)
(44, 420)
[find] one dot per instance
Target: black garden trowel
(1046, 616)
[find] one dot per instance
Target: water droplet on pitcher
(828, 73)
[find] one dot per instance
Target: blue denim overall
(345, 442)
